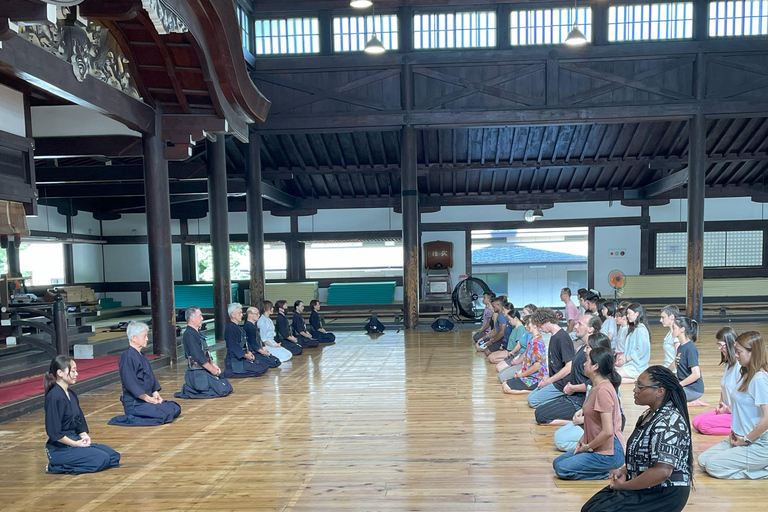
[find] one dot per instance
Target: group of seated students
(573, 382)
(252, 349)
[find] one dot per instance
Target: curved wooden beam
(214, 25)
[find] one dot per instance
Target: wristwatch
(747, 441)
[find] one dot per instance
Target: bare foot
(698, 403)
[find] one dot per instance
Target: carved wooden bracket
(182, 132)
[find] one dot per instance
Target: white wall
(130, 224)
(238, 224)
(84, 224)
(615, 238)
(88, 263)
(12, 112)
(353, 219)
(47, 219)
(562, 211)
(715, 209)
(74, 121)
(126, 263)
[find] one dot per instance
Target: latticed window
(350, 33)
(245, 27)
(548, 26)
(475, 29)
(290, 35)
(738, 18)
(721, 249)
(650, 22)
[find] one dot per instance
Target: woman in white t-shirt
(607, 309)
(267, 333)
(718, 422)
(745, 453)
(667, 318)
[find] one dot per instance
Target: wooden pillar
(69, 256)
(188, 259)
(12, 252)
(410, 207)
(697, 163)
(255, 210)
(158, 201)
(219, 222)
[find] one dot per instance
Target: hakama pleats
(75, 461)
(139, 413)
(202, 384)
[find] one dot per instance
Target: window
(548, 26)
(721, 249)
(738, 18)
(454, 30)
(41, 263)
(354, 259)
(292, 35)
(275, 259)
(350, 33)
(650, 22)
(245, 28)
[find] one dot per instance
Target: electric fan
(616, 279)
(467, 300)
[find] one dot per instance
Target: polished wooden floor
(409, 421)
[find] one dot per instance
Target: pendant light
(360, 4)
(374, 45)
(575, 37)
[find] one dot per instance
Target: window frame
(712, 226)
(587, 27)
(763, 19)
(314, 38)
(492, 10)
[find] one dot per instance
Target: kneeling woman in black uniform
(659, 457)
(283, 331)
(69, 447)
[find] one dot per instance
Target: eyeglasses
(640, 387)
(720, 344)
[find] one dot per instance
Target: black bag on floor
(442, 325)
(373, 325)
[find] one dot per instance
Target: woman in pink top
(601, 448)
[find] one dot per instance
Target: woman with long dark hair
(638, 349)
(686, 331)
(745, 453)
(659, 459)
(69, 447)
(718, 422)
(668, 315)
(601, 447)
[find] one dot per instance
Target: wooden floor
(409, 421)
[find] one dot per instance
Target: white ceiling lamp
(532, 215)
(575, 37)
(360, 4)
(374, 46)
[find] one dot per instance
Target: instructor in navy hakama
(317, 324)
(255, 343)
(239, 362)
(203, 378)
(69, 447)
(141, 398)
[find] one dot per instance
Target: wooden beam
(670, 182)
(110, 146)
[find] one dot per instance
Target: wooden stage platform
(412, 421)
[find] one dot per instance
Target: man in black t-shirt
(574, 385)
(559, 356)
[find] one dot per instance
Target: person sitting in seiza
(317, 324)
(255, 343)
(69, 447)
(203, 378)
(141, 398)
(304, 337)
(239, 363)
(283, 330)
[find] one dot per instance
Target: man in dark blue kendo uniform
(141, 398)
(255, 343)
(303, 336)
(239, 362)
(204, 378)
(316, 324)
